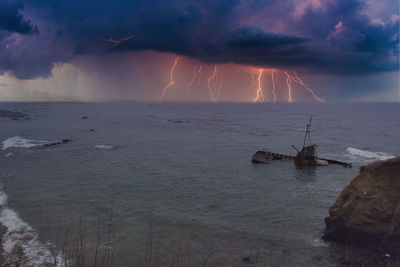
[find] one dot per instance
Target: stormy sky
(344, 49)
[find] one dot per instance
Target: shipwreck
(307, 156)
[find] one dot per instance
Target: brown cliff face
(368, 209)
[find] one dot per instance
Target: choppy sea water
(181, 174)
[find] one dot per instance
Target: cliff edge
(368, 209)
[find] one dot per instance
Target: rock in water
(368, 209)
(12, 114)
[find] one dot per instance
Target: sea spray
(368, 155)
(19, 142)
(103, 147)
(20, 241)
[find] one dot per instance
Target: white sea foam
(366, 155)
(9, 154)
(18, 141)
(318, 242)
(21, 243)
(103, 147)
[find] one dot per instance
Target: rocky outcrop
(54, 143)
(12, 114)
(368, 209)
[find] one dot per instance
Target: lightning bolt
(213, 98)
(308, 88)
(260, 94)
(117, 41)
(171, 79)
(273, 84)
(197, 74)
(299, 81)
(289, 85)
(215, 83)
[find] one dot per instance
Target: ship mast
(307, 133)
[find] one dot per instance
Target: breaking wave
(21, 245)
(368, 155)
(18, 141)
(318, 242)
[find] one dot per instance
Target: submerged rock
(54, 143)
(14, 115)
(368, 209)
(175, 121)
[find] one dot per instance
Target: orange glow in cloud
(273, 84)
(220, 79)
(196, 75)
(171, 79)
(117, 41)
(253, 82)
(260, 94)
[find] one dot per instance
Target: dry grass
(71, 247)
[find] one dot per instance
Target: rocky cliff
(368, 209)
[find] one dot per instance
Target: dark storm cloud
(12, 21)
(12, 58)
(252, 37)
(356, 48)
(338, 38)
(359, 33)
(371, 49)
(25, 50)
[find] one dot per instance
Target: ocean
(178, 179)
